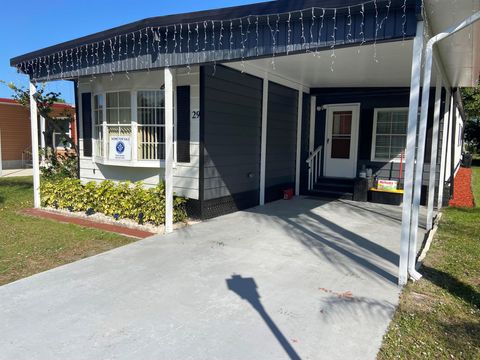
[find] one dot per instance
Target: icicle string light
(134, 50)
(334, 41)
(377, 25)
(404, 17)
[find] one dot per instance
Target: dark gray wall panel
(232, 113)
(281, 140)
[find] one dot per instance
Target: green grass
(439, 316)
(30, 245)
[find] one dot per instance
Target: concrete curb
(428, 242)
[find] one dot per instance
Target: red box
(287, 194)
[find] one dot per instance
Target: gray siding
(232, 112)
(281, 140)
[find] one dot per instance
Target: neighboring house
(15, 136)
(265, 97)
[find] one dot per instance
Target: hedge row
(121, 200)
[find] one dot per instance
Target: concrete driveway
(300, 279)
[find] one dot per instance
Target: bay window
(129, 126)
(389, 134)
(151, 124)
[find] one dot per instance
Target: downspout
(423, 126)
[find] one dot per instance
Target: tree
(58, 165)
(45, 101)
(471, 104)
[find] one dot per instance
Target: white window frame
(69, 133)
(104, 160)
(374, 134)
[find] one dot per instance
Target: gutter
(424, 115)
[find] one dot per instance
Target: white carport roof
(351, 66)
(460, 53)
(391, 66)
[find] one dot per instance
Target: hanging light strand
(90, 59)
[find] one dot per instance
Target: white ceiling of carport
(460, 53)
(353, 67)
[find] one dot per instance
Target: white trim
(169, 117)
(374, 134)
(355, 108)
(272, 76)
(313, 119)
(35, 153)
(263, 154)
(299, 140)
(405, 247)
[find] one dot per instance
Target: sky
(31, 25)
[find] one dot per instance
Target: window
(389, 134)
(130, 126)
(341, 134)
(119, 121)
(151, 124)
(62, 129)
(98, 124)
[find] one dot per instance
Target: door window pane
(341, 134)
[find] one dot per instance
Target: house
(233, 106)
(16, 144)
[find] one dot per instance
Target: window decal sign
(120, 148)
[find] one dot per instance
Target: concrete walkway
(16, 172)
(300, 279)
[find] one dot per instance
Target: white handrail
(314, 162)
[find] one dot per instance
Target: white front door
(341, 141)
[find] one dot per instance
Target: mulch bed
(122, 230)
(462, 195)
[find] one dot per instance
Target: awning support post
(35, 154)
(434, 152)
(410, 153)
(444, 149)
(263, 154)
(169, 107)
(299, 140)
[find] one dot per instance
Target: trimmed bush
(124, 200)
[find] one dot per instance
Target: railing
(150, 141)
(314, 162)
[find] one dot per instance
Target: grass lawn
(29, 245)
(439, 316)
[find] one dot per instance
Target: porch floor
(299, 279)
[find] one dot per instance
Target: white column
(434, 152)
(169, 149)
(42, 138)
(35, 158)
(410, 153)
(446, 120)
(263, 156)
(422, 131)
(299, 140)
(134, 117)
(313, 115)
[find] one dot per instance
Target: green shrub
(59, 166)
(123, 200)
